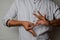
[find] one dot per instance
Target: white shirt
(24, 10)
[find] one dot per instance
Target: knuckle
(27, 29)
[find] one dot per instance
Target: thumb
(33, 32)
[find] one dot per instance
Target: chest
(26, 9)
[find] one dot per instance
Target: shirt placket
(35, 9)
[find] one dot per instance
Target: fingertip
(39, 12)
(34, 14)
(33, 33)
(45, 15)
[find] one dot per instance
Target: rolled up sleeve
(12, 12)
(55, 10)
(57, 13)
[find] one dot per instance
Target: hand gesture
(41, 19)
(29, 27)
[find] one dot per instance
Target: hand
(41, 19)
(27, 25)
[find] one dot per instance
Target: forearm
(55, 23)
(14, 23)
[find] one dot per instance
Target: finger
(31, 26)
(39, 13)
(38, 23)
(36, 16)
(42, 17)
(45, 16)
(39, 16)
(33, 33)
(26, 28)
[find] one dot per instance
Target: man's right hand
(26, 24)
(29, 27)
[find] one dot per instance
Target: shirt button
(33, 20)
(34, 2)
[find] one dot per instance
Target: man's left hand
(41, 19)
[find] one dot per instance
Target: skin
(42, 20)
(26, 24)
(29, 26)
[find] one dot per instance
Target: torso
(26, 9)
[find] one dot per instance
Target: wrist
(48, 23)
(21, 23)
(7, 23)
(15, 23)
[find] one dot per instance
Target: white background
(12, 33)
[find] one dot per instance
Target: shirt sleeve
(12, 12)
(57, 13)
(56, 10)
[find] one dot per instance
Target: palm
(42, 19)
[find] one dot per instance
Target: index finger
(39, 13)
(36, 16)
